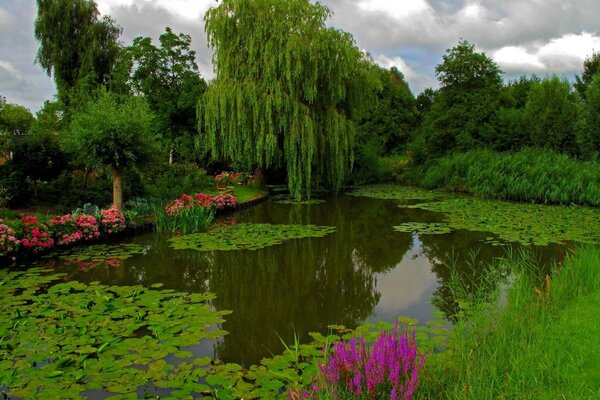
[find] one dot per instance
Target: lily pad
(58, 340)
(528, 224)
(424, 228)
(247, 236)
(300, 202)
(396, 192)
(102, 252)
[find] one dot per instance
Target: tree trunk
(171, 156)
(259, 180)
(118, 189)
(85, 179)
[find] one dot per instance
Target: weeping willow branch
(286, 90)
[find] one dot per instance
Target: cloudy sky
(523, 36)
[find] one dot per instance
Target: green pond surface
(372, 256)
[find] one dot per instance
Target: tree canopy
(77, 47)
(285, 90)
(168, 77)
(113, 132)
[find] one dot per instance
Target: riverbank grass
(543, 344)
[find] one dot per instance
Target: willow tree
(285, 91)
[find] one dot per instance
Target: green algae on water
(396, 192)
(424, 228)
(247, 236)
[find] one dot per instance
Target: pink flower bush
(8, 240)
(36, 236)
(227, 177)
(201, 200)
(69, 230)
(389, 369)
(112, 220)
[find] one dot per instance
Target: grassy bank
(530, 175)
(543, 344)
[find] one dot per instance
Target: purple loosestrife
(389, 368)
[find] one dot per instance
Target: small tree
(591, 68)
(113, 132)
(588, 134)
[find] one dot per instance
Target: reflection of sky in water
(407, 288)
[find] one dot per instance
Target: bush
(530, 175)
(176, 179)
(8, 240)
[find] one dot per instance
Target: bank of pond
(474, 298)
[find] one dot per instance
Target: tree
(15, 119)
(588, 134)
(466, 103)
(49, 119)
(392, 116)
(285, 91)
(114, 132)
(77, 47)
(168, 78)
(551, 115)
(425, 100)
(38, 157)
(591, 68)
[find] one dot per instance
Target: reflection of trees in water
(302, 285)
(473, 263)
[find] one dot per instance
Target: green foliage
(38, 157)
(591, 68)
(102, 253)
(465, 105)
(113, 132)
(49, 119)
(588, 133)
(77, 47)
(170, 181)
(95, 337)
(168, 78)
(15, 119)
(530, 175)
(247, 236)
(530, 342)
(285, 91)
(186, 220)
(551, 114)
(509, 131)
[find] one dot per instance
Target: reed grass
(539, 340)
(530, 175)
(184, 221)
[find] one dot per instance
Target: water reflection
(364, 271)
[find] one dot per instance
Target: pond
(366, 270)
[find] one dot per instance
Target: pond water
(365, 271)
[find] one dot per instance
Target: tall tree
(465, 104)
(285, 91)
(15, 119)
(168, 78)
(588, 135)
(551, 115)
(591, 68)
(113, 132)
(77, 47)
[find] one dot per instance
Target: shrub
(70, 229)
(36, 236)
(530, 175)
(112, 221)
(8, 240)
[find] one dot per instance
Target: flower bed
(32, 236)
(201, 200)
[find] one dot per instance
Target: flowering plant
(227, 177)
(200, 200)
(112, 220)
(8, 241)
(388, 369)
(36, 236)
(68, 229)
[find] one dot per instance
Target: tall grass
(540, 340)
(186, 220)
(530, 175)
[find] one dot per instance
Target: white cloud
(399, 9)
(187, 9)
(560, 55)
(416, 80)
(7, 20)
(10, 69)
